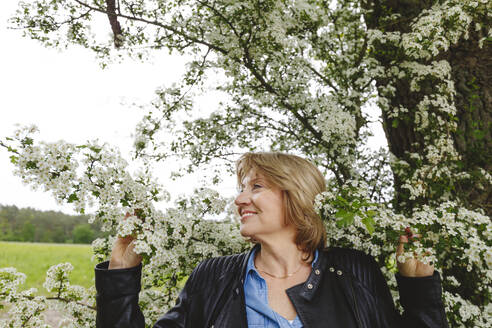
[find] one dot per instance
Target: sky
(68, 96)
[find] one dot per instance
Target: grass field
(34, 259)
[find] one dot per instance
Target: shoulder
(361, 266)
(221, 264)
(214, 270)
(348, 255)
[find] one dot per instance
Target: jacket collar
(307, 289)
(244, 263)
(310, 286)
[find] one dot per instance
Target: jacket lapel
(314, 299)
(231, 299)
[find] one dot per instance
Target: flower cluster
(10, 280)
(172, 243)
(26, 310)
(457, 240)
(57, 278)
(26, 313)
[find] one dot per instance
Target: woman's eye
(256, 186)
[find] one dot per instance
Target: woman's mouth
(247, 214)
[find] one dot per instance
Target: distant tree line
(30, 225)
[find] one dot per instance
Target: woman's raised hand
(122, 254)
(412, 267)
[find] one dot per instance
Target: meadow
(34, 259)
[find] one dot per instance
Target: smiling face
(260, 205)
(281, 204)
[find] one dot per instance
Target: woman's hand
(122, 254)
(412, 267)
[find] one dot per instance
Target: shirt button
(339, 272)
(332, 269)
(310, 286)
(317, 272)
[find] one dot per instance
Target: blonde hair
(300, 182)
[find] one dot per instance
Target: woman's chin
(245, 232)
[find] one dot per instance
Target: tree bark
(471, 69)
(472, 76)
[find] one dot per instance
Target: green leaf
(355, 205)
(72, 198)
(346, 218)
(390, 263)
(95, 149)
(342, 200)
(31, 165)
(394, 124)
(369, 223)
(27, 141)
(124, 202)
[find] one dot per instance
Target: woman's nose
(242, 198)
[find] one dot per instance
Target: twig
(57, 298)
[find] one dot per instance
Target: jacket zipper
(355, 304)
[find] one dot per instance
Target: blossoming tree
(300, 76)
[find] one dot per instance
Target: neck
(279, 258)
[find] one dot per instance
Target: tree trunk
(472, 75)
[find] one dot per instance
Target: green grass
(34, 259)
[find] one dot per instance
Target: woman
(288, 279)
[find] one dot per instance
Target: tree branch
(317, 134)
(218, 13)
(57, 298)
(322, 77)
(113, 21)
(164, 26)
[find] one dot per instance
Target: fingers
(403, 240)
(412, 267)
(127, 239)
(409, 236)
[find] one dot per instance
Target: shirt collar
(251, 260)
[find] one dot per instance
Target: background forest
(30, 225)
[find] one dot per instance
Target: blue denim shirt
(258, 312)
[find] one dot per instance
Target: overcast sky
(68, 96)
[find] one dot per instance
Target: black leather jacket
(214, 297)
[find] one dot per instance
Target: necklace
(279, 277)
